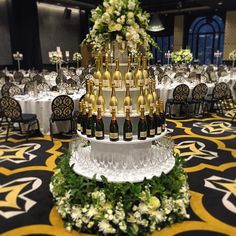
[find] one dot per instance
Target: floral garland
(182, 56)
(120, 20)
(77, 56)
(232, 55)
(120, 209)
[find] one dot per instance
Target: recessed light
(220, 3)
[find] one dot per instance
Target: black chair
(14, 90)
(39, 79)
(180, 96)
(5, 89)
(13, 113)
(18, 76)
(215, 99)
(62, 110)
(197, 99)
(61, 78)
(72, 83)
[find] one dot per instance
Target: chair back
(43, 86)
(18, 76)
(199, 92)
(72, 83)
(181, 93)
(14, 90)
(39, 79)
(5, 89)
(219, 90)
(61, 78)
(62, 107)
(11, 108)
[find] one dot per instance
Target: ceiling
(161, 6)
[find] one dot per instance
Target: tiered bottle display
(147, 106)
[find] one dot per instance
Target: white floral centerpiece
(77, 57)
(120, 21)
(232, 56)
(182, 56)
(55, 57)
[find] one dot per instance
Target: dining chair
(18, 76)
(199, 93)
(180, 96)
(62, 110)
(5, 89)
(13, 113)
(215, 99)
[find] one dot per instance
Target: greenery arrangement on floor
(104, 208)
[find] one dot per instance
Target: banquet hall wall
(32, 30)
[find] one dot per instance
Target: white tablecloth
(41, 106)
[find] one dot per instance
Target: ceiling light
(155, 24)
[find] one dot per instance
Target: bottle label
(128, 135)
(78, 126)
(140, 81)
(128, 107)
(113, 107)
(114, 135)
(117, 83)
(99, 134)
(143, 134)
(105, 83)
(96, 82)
(131, 83)
(88, 132)
(152, 131)
(159, 130)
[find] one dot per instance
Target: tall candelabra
(168, 56)
(18, 57)
(217, 54)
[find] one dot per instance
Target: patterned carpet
(208, 146)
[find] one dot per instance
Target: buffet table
(41, 106)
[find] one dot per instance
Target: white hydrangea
(106, 227)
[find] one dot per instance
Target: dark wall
(5, 44)
(24, 32)
(58, 29)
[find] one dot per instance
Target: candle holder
(168, 56)
(217, 54)
(18, 57)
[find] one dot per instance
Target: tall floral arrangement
(182, 56)
(232, 55)
(119, 20)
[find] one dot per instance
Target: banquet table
(231, 81)
(41, 106)
(165, 91)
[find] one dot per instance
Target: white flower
(105, 227)
(123, 226)
(91, 212)
(76, 213)
(143, 208)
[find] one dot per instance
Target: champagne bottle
(149, 98)
(162, 114)
(141, 100)
(158, 120)
(113, 100)
(127, 104)
(145, 71)
(84, 120)
(86, 97)
(97, 75)
(142, 126)
(79, 117)
(90, 124)
(129, 75)
(139, 73)
(107, 75)
(151, 124)
(117, 77)
(114, 129)
(154, 93)
(99, 131)
(127, 128)
(92, 97)
(100, 99)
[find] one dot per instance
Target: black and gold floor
(208, 146)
